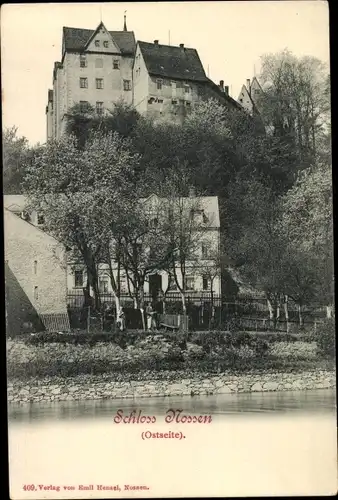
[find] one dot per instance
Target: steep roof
(172, 62)
(75, 39)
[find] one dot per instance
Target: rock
(224, 390)
(270, 386)
(257, 387)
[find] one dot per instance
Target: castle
(101, 67)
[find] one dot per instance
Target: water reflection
(314, 401)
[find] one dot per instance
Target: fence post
(88, 320)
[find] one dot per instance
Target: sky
(230, 37)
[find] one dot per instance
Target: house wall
(140, 83)
(36, 260)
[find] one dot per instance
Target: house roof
(18, 203)
(172, 62)
(209, 204)
(75, 39)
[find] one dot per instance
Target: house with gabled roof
(95, 69)
(35, 274)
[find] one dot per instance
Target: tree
(82, 121)
(308, 226)
(254, 242)
(15, 155)
(295, 102)
(78, 191)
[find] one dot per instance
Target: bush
(325, 336)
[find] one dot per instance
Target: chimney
(182, 45)
(221, 85)
(156, 42)
(192, 192)
(248, 85)
(226, 89)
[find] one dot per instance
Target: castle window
(97, 43)
(127, 84)
(83, 106)
(98, 63)
(36, 293)
(78, 279)
(105, 44)
(83, 61)
(99, 83)
(99, 108)
(83, 83)
(186, 88)
(116, 64)
(159, 84)
(35, 267)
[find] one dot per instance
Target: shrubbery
(325, 336)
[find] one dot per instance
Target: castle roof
(172, 62)
(75, 39)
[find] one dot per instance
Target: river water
(253, 444)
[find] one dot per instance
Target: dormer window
(97, 43)
(105, 44)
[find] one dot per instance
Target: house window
(83, 61)
(204, 251)
(36, 293)
(189, 283)
(41, 219)
(174, 102)
(206, 282)
(159, 84)
(123, 283)
(172, 285)
(99, 83)
(105, 44)
(103, 284)
(97, 43)
(99, 108)
(186, 89)
(99, 63)
(116, 64)
(35, 267)
(83, 106)
(83, 83)
(127, 84)
(78, 279)
(160, 101)
(188, 104)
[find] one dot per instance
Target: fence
(252, 314)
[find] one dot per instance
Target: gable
(102, 41)
(76, 39)
(244, 98)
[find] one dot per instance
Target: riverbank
(106, 386)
